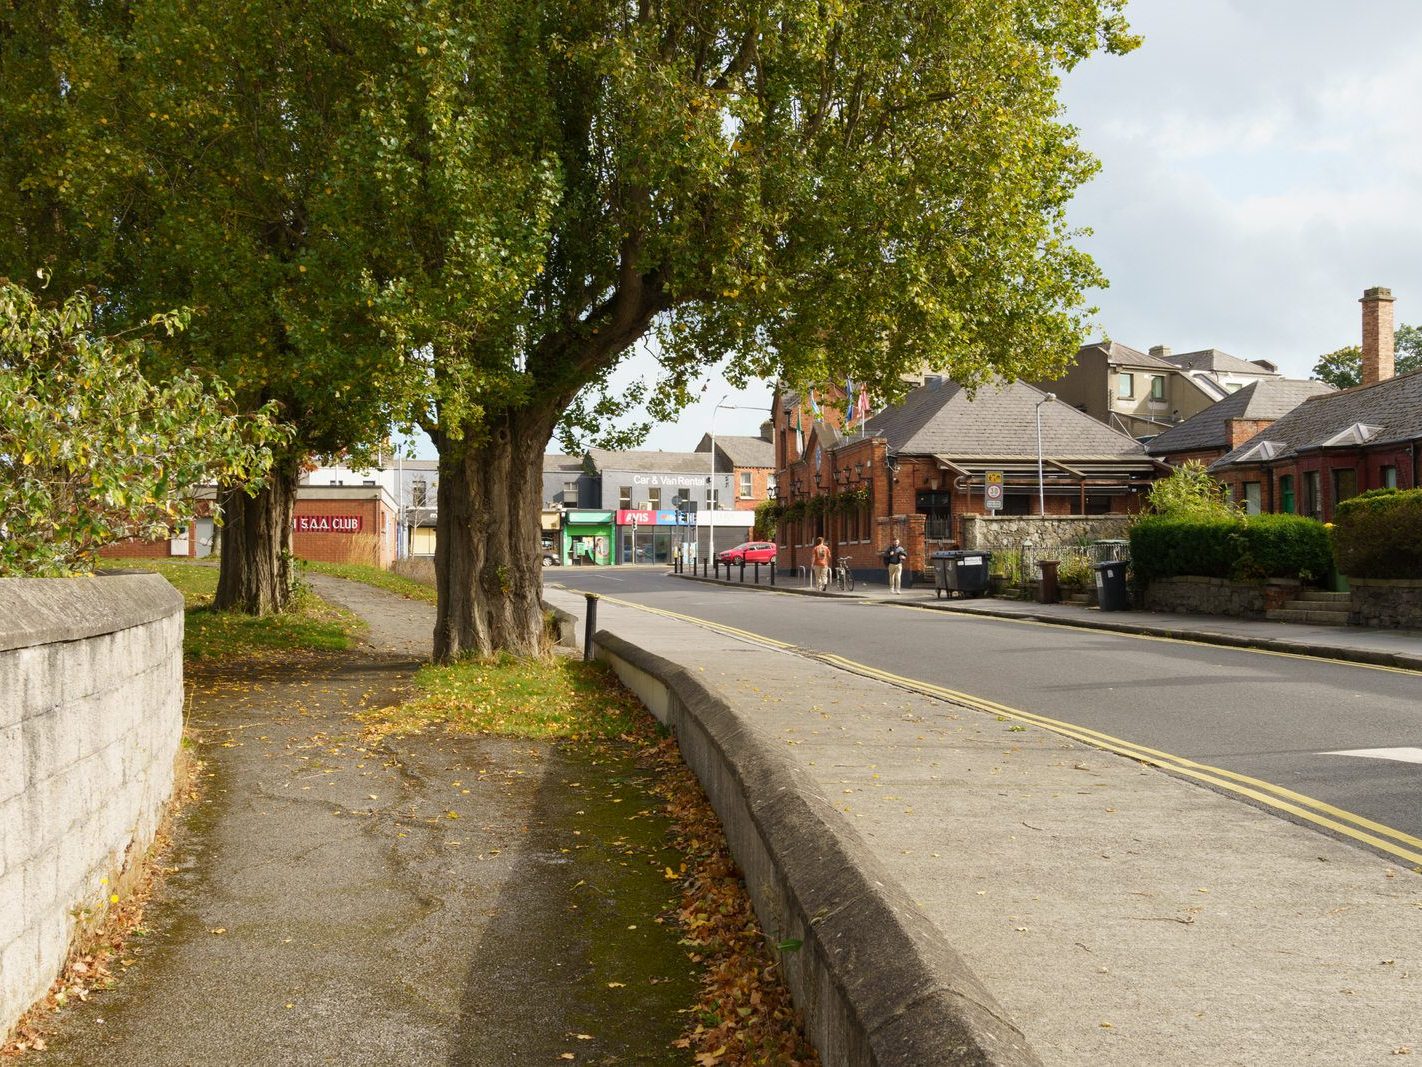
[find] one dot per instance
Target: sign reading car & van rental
(346, 524)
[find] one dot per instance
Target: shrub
(1076, 570)
(1191, 492)
(1261, 546)
(1378, 534)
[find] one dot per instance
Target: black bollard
(772, 572)
(589, 626)
(757, 572)
(743, 572)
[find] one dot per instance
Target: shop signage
(636, 518)
(346, 524)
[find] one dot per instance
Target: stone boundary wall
(1191, 595)
(991, 533)
(877, 982)
(1386, 603)
(91, 717)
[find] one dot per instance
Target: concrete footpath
(1391, 648)
(1014, 896)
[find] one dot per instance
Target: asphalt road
(1280, 719)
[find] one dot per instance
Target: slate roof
(1216, 362)
(666, 462)
(741, 451)
(1267, 398)
(1118, 354)
(554, 461)
(1391, 409)
(1000, 422)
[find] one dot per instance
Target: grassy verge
(308, 624)
(381, 579)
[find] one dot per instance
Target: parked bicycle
(843, 576)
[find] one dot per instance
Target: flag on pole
(815, 411)
(861, 408)
(799, 430)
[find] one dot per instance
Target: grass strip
(376, 576)
(309, 624)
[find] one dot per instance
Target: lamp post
(1041, 482)
(711, 490)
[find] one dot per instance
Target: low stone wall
(91, 717)
(1189, 595)
(991, 533)
(1386, 603)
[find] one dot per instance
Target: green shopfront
(588, 538)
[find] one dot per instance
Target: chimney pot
(1378, 356)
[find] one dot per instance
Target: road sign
(992, 490)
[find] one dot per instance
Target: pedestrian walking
(894, 559)
(820, 564)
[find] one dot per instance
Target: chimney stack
(1377, 334)
(1160, 351)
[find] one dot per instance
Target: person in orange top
(820, 564)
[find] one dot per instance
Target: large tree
(174, 153)
(823, 189)
(1343, 367)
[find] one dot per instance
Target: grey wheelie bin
(1111, 590)
(960, 571)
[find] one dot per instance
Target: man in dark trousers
(894, 558)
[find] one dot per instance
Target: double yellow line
(1393, 842)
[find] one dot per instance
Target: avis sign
(345, 524)
(992, 490)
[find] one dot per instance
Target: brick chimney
(1160, 351)
(1377, 334)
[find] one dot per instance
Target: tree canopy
(1344, 366)
(91, 452)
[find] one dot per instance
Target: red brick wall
(760, 481)
(372, 545)
(1367, 466)
(134, 548)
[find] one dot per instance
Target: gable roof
(1216, 362)
(555, 461)
(1267, 398)
(741, 451)
(1118, 355)
(666, 462)
(999, 422)
(1384, 412)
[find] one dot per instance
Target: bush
(1191, 493)
(1260, 546)
(1378, 534)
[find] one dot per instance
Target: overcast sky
(1261, 165)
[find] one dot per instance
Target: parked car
(550, 555)
(749, 552)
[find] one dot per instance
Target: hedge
(1378, 534)
(1260, 546)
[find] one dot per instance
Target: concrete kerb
(878, 983)
(798, 590)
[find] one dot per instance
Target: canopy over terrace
(1074, 476)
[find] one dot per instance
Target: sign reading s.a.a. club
(346, 524)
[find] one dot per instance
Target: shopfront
(588, 538)
(651, 536)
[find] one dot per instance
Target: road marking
(1378, 835)
(1402, 755)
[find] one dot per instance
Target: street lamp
(711, 491)
(1041, 483)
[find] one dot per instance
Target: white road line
(1401, 755)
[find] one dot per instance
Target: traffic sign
(992, 490)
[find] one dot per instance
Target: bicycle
(843, 576)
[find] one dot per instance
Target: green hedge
(1260, 546)
(1378, 534)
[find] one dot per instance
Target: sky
(1261, 165)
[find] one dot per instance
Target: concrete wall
(91, 715)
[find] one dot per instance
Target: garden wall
(991, 533)
(1386, 603)
(91, 716)
(1190, 595)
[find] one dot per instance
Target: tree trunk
(488, 564)
(255, 560)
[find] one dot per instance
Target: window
(1125, 386)
(419, 492)
(624, 497)
(1233, 387)
(1313, 494)
(1287, 504)
(746, 486)
(1387, 477)
(570, 492)
(936, 508)
(654, 498)
(1252, 498)
(1157, 387)
(1345, 483)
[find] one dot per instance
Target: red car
(750, 552)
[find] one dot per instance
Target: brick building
(751, 461)
(1336, 445)
(915, 469)
(1224, 426)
